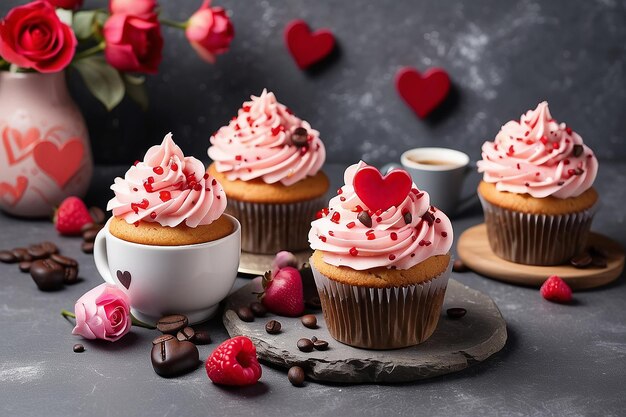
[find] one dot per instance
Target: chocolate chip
(459, 266)
(78, 348)
(273, 327)
(7, 257)
(22, 254)
(97, 214)
(186, 334)
(581, 261)
(245, 314)
(24, 266)
(170, 357)
(87, 247)
(90, 235)
(71, 275)
(172, 324)
(314, 303)
(295, 375)
(64, 260)
(299, 137)
(202, 337)
(577, 150)
(429, 218)
(49, 247)
(258, 309)
(456, 312)
(305, 345)
(320, 344)
(309, 320)
(408, 218)
(365, 218)
(47, 274)
(37, 252)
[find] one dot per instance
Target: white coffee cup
(438, 171)
(161, 280)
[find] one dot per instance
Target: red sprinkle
(394, 236)
(568, 130)
(342, 198)
(165, 196)
(566, 162)
(158, 170)
(350, 225)
(544, 140)
(444, 234)
(136, 162)
(353, 251)
(511, 150)
(237, 157)
(136, 223)
(205, 176)
(276, 130)
(414, 238)
(412, 255)
(214, 182)
(135, 189)
(246, 108)
(198, 187)
(143, 204)
(392, 257)
(335, 217)
(219, 197)
(518, 166)
(174, 166)
(323, 238)
(371, 236)
(339, 191)
(153, 215)
(331, 233)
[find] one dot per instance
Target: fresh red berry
(283, 293)
(234, 362)
(555, 289)
(71, 216)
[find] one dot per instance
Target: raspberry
(555, 289)
(234, 362)
(71, 216)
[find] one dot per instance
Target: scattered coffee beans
(7, 257)
(186, 334)
(202, 337)
(172, 324)
(320, 344)
(296, 376)
(97, 214)
(581, 261)
(64, 260)
(87, 247)
(309, 320)
(305, 345)
(314, 339)
(49, 247)
(22, 254)
(71, 275)
(459, 266)
(258, 309)
(273, 327)
(47, 274)
(456, 312)
(90, 235)
(245, 314)
(78, 348)
(24, 266)
(171, 357)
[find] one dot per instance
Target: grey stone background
(503, 58)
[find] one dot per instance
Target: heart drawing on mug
(124, 278)
(15, 191)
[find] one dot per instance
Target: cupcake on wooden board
(537, 191)
(381, 262)
(269, 162)
(168, 200)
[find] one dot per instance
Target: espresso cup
(438, 171)
(162, 280)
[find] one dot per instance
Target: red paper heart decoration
(423, 93)
(60, 164)
(16, 192)
(306, 47)
(378, 192)
(17, 145)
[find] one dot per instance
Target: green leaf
(104, 81)
(65, 16)
(83, 24)
(136, 90)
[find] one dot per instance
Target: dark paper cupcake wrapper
(536, 239)
(269, 228)
(381, 318)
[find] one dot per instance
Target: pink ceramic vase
(45, 154)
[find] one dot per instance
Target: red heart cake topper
(306, 47)
(378, 192)
(423, 93)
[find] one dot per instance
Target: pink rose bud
(133, 44)
(139, 8)
(283, 259)
(103, 313)
(66, 4)
(210, 31)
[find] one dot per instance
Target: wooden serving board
(474, 250)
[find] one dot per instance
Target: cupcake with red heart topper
(381, 262)
(537, 191)
(269, 163)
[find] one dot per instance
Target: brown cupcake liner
(536, 239)
(269, 228)
(381, 318)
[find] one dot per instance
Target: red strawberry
(234, 362)
(71, 216)
(555, 289)
(283, 293)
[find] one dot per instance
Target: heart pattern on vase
(19, 145)
(380, 192)
(423, 93)
(14, 191)
(306, 47)
(59, 163)
(124, 278)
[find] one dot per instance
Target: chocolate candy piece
(64, 260)
(295, 375)
(299, 137)
(172, 324)
(428, 217)
(171, 357)
(97, 214)
(459, 266)
(22, 254)
(245, 314)
(186, 334)
(581, 261)
(37, 252)
(258, 309)
(87, 247)
(202, 337)
(309, 320)
(49, 247)
(47, 274)
(577, 150)
(273, 327)
(71, 275)
(365, 218)
(408, 218)
(78, 348)
(320, 344)
(7, 257)
(24, 266)
(90, 235)
(456, 312)
(305, 345)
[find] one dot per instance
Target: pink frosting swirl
(391, 241)
(168, 188)
(538, 156)
(257, 144)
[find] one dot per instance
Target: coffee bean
(37, 252)
(459, 266)
(78, 348)
(49, 247)
(87, 226)
(87, 247)
(295, 375)
(186, 334)
(305, 345)
(47, 274)
(245, 314)
(24, 266)
(71, 275)
(172, 324)
(299, 137)
(581, 261)
(7, 257)
(456, 312)
(314, 339)
(162, 338)
(258, 309)
(171, 357)
(309, 320)
(90, 235)
(365, 218)
(599, 262)
(97, 214)
(22, 254)
(202, 337)
(64, 260)
(273, 327)
(320, 344)
(314, 303)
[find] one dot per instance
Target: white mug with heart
(161, 280)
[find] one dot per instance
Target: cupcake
(537, 191)
(168, 200)
(269, 162)
(381, 260)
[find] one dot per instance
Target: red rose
(140, 8)
(66, 4)
(210, 31)
(32, 36)
(133, 44)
